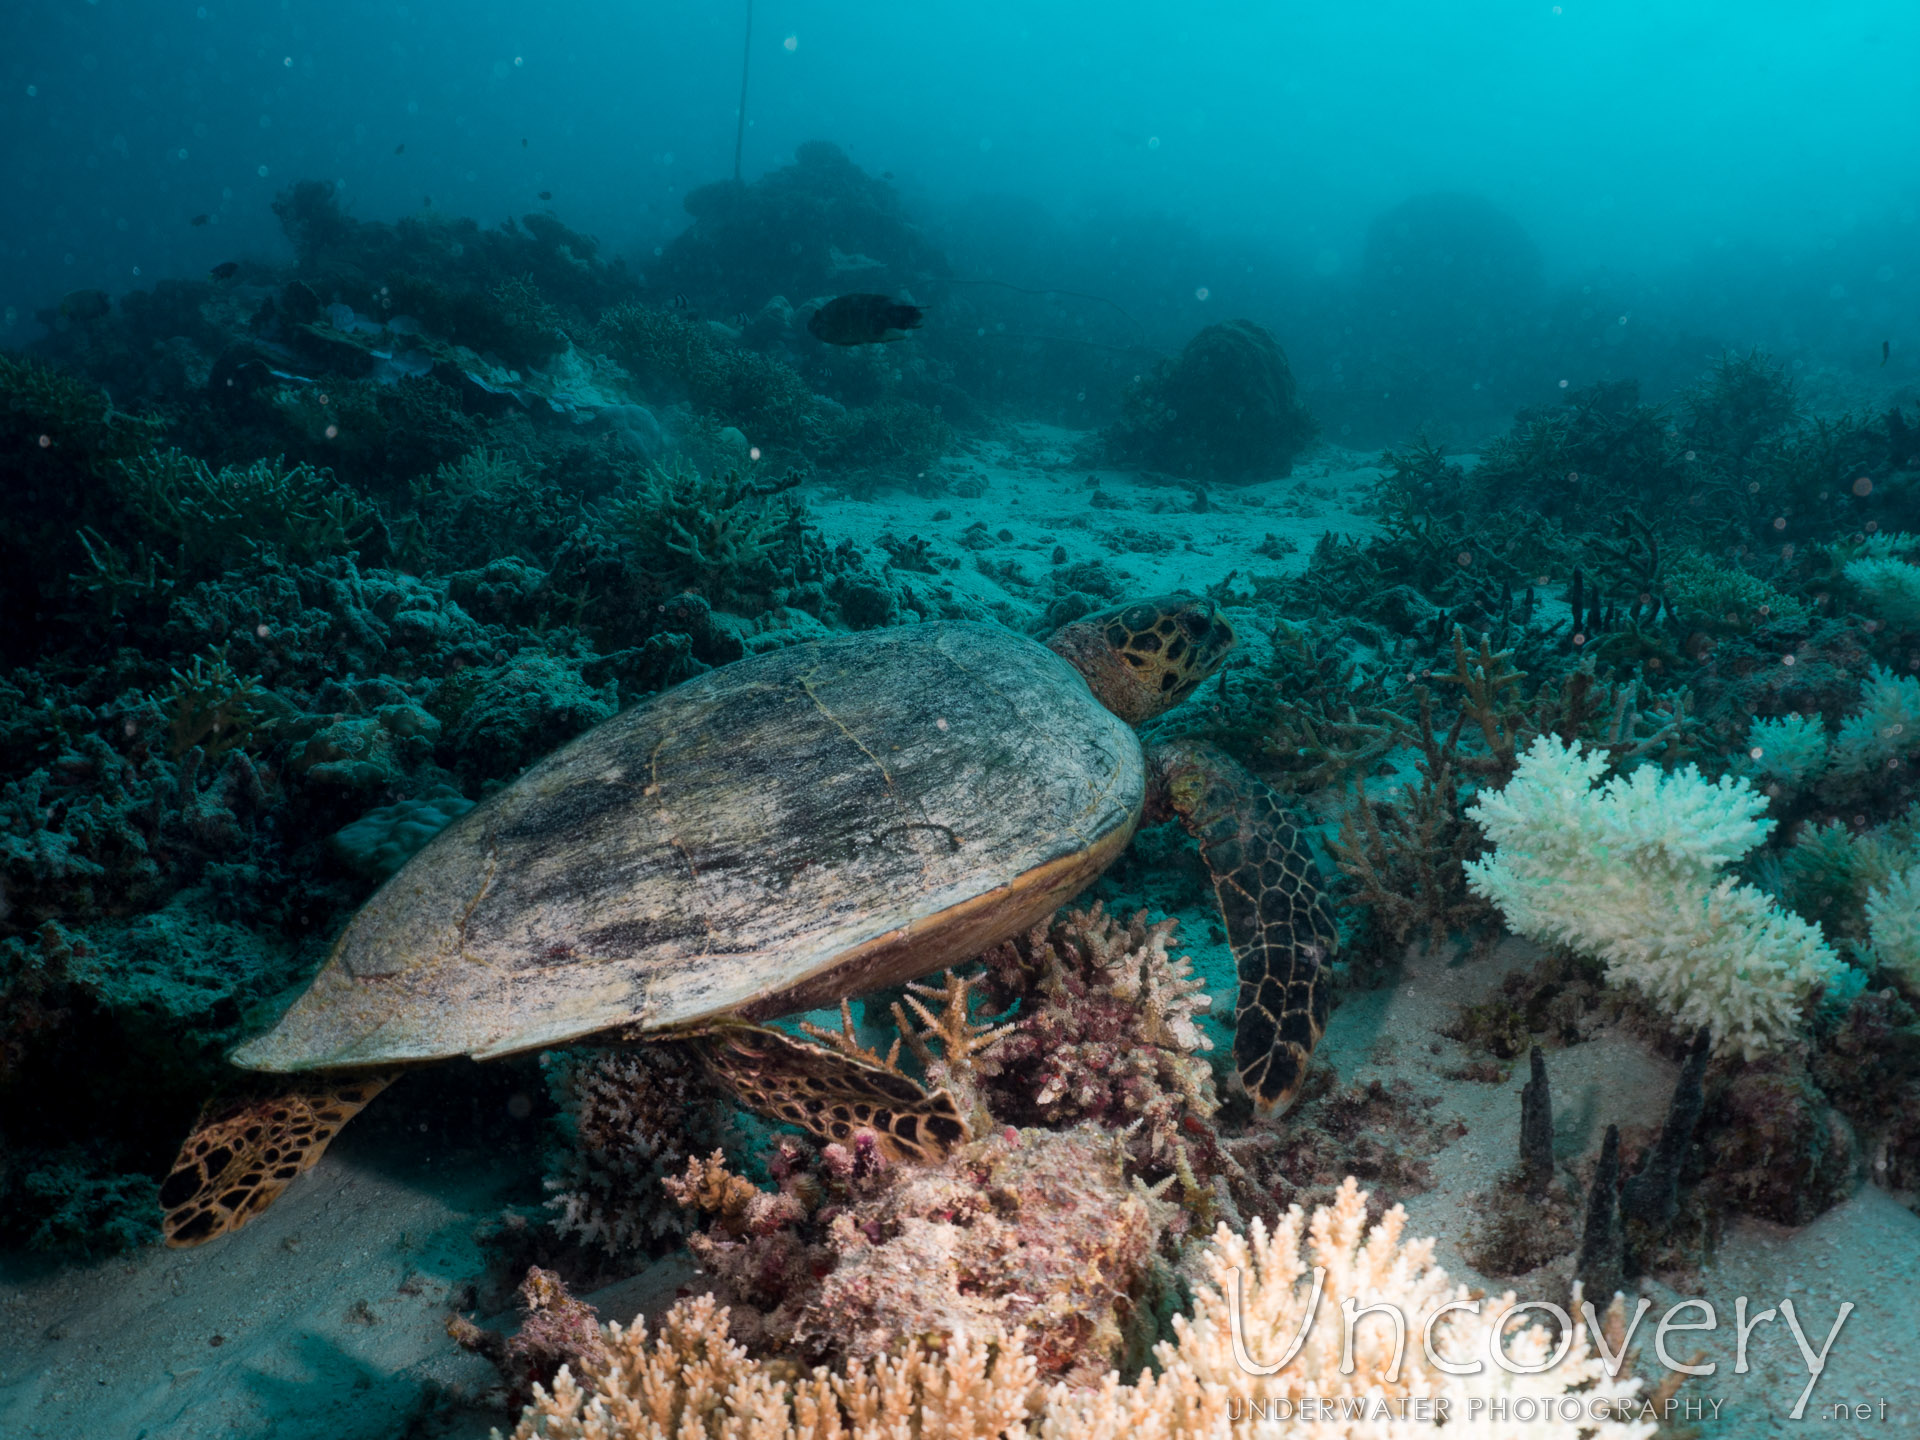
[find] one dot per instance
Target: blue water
(1685, 176)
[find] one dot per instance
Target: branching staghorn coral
(51, 411)
(765, 398)
(218, 517)
(210, 706)
(1884, 728)
(1893, 927)
(1252, 1295)
(694, 1382)
(718, 534)
(1632, 873)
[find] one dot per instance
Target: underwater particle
(1201, 293)
(1779, 522)
(1863, 486)
(287, 61)
(1753, 487)
(1465, 558)
(1689, 454)
(1563, 384)
(753, 452)
(1872, 526)
(333, 432)
(790, 44)
(1579, 639)
(1153, 142)
(1788, 660)
(1623, 319)
(519, 1106)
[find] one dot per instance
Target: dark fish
(200, 219)
(680, 302)
(523, 142)
(863, 320)
(427, 201)
(1886, 349)
(86, 305)
(225, 270)
(400, 149)
(546, 194)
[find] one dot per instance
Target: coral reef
(1224, 409)
(1106, 1030)
(1632, 873)
(721, 535)
(1260, 1295)
(1036, 1228)
(387, 836)
(629, 1121)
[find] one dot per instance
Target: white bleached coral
(1630, 873)
(1893, 926)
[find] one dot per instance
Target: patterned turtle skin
(774, 836)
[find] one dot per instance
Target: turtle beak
(1209, 633)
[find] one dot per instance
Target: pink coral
(1107, 1031)
(1037, 1229)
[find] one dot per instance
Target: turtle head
(1143, 658)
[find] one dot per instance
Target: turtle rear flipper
(244, 1150)
(1276, 918)
(833, 1094)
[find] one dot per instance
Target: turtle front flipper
(1277, 921)
(832, 1094)
(246, 1149)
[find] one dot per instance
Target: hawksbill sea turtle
(774, 836)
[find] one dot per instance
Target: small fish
(401, 148)
(864, 320)
(1886, 349)
(200, 219)
(427, 201)
(86, 305)
(546, 194)
(225, 270)
(523, 142)
(680, 302)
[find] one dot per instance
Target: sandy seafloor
(323, 1320)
